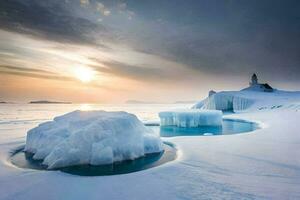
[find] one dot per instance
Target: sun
(84, 74)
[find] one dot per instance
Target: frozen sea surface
(263, 164)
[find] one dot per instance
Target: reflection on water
(86, 107)
(229, 126)
(25, 160)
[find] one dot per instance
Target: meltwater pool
(24, 160)
(229, 126)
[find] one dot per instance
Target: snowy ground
(264, 164)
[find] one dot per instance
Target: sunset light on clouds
(149, 99)
(139, 50)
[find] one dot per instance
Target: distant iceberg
(191, 118)
(91, 137)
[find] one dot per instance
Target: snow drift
(91, 137)
(191, 118)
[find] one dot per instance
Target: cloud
(21, 69)
(84, 2)
(51, 21)
(137, 72)
(102, 9)
(44, 74)
(33, 73)
(228, 38)
(122, 7)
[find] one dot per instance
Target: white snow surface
(91, 137)
(263, 164)
(191, 118)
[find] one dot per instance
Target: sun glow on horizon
(84, 74)
(85, 107)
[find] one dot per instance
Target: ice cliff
(191, 118)
(246, 100)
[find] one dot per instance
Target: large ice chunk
(191, 118)
(91, 137)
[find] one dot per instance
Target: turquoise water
(229, 126)
(25, 160)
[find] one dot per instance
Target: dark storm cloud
(228, 37)
(52, 20)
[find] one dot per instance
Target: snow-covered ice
(91, 137)
(262, 164)
(247, 100)
(191, 118)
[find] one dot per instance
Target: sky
(111, 51)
